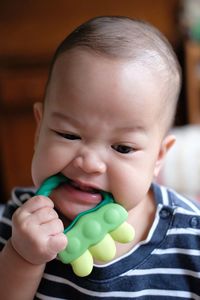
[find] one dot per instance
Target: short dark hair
(122, 37)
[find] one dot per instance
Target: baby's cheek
(41, 168)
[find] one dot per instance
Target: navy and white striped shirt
(164, 266)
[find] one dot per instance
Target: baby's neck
(142, 216)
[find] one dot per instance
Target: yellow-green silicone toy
(93, 232)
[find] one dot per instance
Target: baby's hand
(37, 232)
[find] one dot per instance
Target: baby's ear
(38, 114)
(167, 143)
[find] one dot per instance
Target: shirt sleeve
(18, 197)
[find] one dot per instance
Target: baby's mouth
(83, 188)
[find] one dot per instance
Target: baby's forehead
(143, 61)
(79, 64)
(87, 72)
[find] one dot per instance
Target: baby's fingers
(37, 202)
(31, 206)
(57, 243)
(44, 215)
(53, 227)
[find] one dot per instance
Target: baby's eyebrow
(65, 117)
(131, 129)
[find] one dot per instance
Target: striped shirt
(164, 266)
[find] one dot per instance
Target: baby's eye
(122, 149)
(70, 136)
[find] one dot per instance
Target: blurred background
(31, 30)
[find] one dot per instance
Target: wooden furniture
(19, 89)
(192, 55)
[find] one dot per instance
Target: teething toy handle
(50, 184)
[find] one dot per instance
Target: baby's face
(99, 128)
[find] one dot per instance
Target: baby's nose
(90, 162)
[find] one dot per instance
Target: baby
(109, 104)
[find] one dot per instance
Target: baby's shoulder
(168, 197)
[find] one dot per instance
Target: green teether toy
(93, 232)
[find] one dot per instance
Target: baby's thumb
(57, 243)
